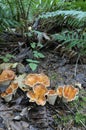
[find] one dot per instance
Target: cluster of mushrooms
(36, 87)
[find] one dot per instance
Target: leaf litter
(20, 114)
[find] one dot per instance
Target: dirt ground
(20, 114)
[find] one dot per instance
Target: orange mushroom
(41, 101)
(3, 94)
(60, 91)
(38, 94)
(7, 75)
(51, 92)
(69, 92)
(40, 90)
(11, 90)
(7, 95)
(14, 87)
(33, 79)
(31, 95)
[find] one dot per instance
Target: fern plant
(71, 5)
(19, 11)
(63, 18)
(71, 39)
(23, 11)
(6, 20)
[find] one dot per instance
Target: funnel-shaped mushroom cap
(3, 94)
(7, 75)
(31, 95)
(60, 91)
(8, 91)
(38, 94)
(69, 92)
(52, 92)
(40, 90)
(7, 95)
(33, 79)
(14, 86)
(41, 101)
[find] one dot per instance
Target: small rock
(20, 69)
(17, 118)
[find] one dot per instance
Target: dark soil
(19, 114)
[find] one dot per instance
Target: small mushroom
(41, 101)
(38, 94)
(7, 96)
(33, 79)
(60, 91)
(11, 90)
(14, 87)
(69, 92)
(40, 90)
(6, 76)
(51, 96)
(31, 95)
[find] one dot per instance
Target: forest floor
(20, 114)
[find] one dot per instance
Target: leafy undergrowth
(72, 115)
(20, 114)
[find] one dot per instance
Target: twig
(82, 123)
(6, 110)
(76, 65)
(11, 109)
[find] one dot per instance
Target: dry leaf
(20, 80)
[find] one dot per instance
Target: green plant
(71, 5)
(7, 57)
(71, 40)
(79, 106)
(73, 111)
(17, 12)
(36, 46)
(80, 118)
(38, 54)
(33, 63)
(63, 18)
(22, 12)
(6, 19)
(63, 119)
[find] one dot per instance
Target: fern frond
(68, 18)
(72, 40)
